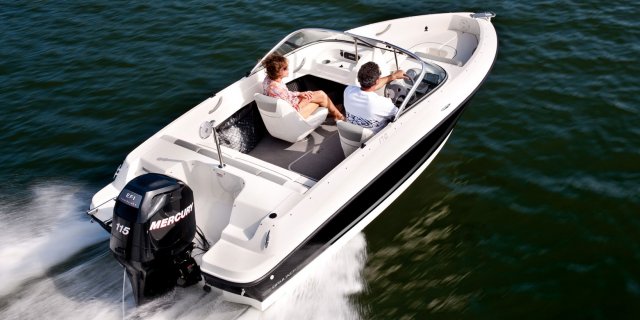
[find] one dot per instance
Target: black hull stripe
(350, 214)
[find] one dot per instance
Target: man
(363, 105)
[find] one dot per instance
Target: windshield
(306, 37)
(302, 38)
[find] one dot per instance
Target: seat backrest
(273, 107)
(352, 136)
(285, 122)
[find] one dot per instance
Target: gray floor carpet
(313, 157)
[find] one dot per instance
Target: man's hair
(368, 74)
(273, 64)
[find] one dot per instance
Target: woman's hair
(368, 74)
(273, 64)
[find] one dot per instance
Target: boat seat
(250, 205)
(285, 122)
(352, 136)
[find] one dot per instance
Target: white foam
(49, 226)
(42, 232)
(326, 293)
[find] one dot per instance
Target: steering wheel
(398, 89)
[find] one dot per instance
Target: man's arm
(382, 81)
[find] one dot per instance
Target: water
(530, 211)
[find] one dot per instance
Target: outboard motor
(152, 234)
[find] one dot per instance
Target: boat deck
(312, 157)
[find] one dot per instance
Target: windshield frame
(334, 35)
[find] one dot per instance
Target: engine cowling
(152, 234)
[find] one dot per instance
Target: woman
(305, 102)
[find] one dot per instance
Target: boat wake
(56, 264)
(326, 293)
(41, 230)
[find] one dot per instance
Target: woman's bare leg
(307, 108)
(321, 98)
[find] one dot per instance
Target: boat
(244, 196)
